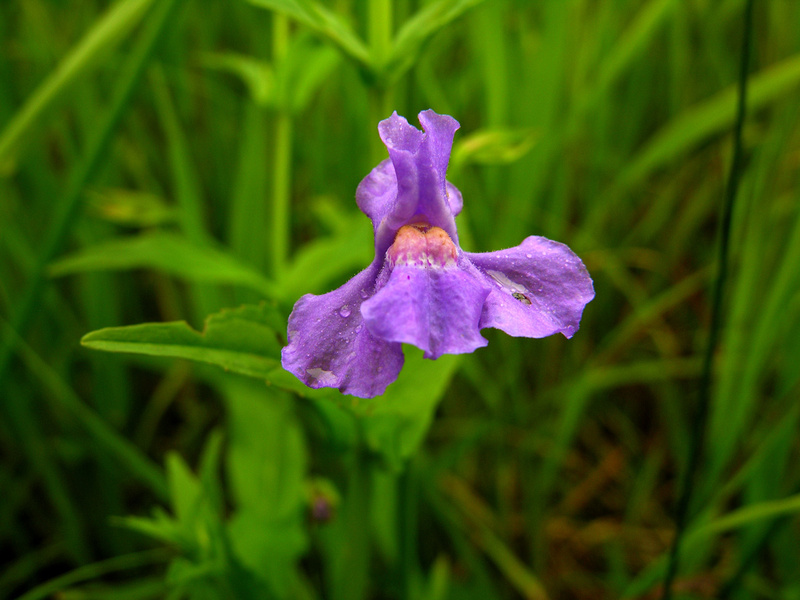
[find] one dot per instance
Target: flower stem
(350, 577)
(715, 327)
(282, 158)
(380, 108)
(380, 43)
(380, 32)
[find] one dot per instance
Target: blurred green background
(162, 160)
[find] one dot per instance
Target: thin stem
(350, 577)
(282, 158)
(407, 494)
(715, 327)
(380, 107)
(380, 31)
(380, 44)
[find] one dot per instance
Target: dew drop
(364, 294)
(344, 311)
(358, 328)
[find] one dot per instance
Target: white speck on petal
(508, 285)
(322, 377)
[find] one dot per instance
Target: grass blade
(109, 31)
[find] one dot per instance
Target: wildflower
(422, 288)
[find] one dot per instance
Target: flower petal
(538, 288)
(420, 164)
(376, 194)
(329, 346)
(454, 199)
(436, 309)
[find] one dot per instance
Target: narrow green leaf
(396, 422)
(493, 147)
(96, 570)
(110, 440)
(313, 266)
(629, 46)
(256, 74)
(67, 207)
(242, 340)
(131, 207)
(184, 489)
(324, 22)
(418, 29)
(107, 32)
(713, 116)
(305, 66)
(168, 252)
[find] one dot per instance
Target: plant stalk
(715, 328)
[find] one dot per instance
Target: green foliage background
(173, 167)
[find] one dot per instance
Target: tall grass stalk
(699, 422)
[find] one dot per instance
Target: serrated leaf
(168, 252)
(418, 29)
(242, 340)
(324, 22)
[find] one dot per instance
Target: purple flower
(422, 288)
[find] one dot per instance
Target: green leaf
(107, 32)
(168, 252)
(256, 74)
(242, 340)
(418, 29)
(305, 66)
(184, 489)
(159, 527)
(493, 147)
(266, 466)
(396, 422)
(131, 207)
(710, 117)
(324, 22)
(266, 451)
(322, 261)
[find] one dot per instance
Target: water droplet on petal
(358, 328)
(364, 294)
(344, 311)
(528, 256)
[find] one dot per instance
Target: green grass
(161, 165)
